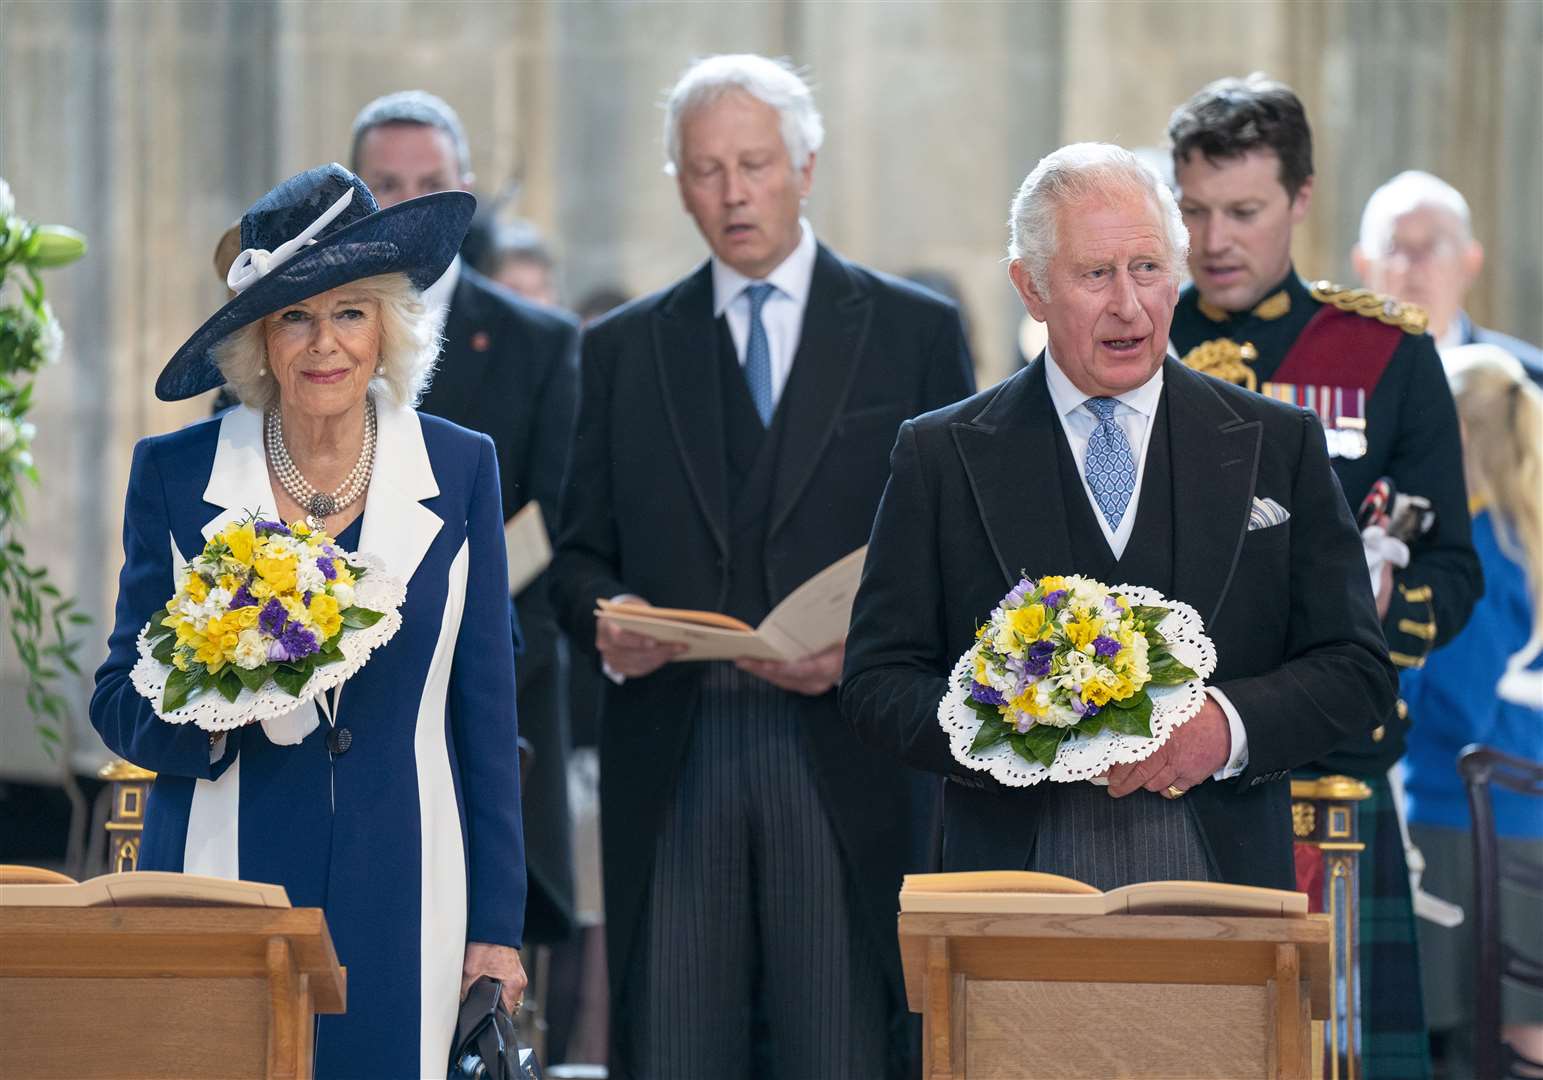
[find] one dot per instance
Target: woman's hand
(498, 961)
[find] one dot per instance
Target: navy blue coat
(411, 840)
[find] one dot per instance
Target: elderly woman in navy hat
(400, 815)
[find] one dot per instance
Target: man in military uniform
(1242, 153)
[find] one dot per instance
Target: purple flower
(1038, 662)
(1020, 590)
(305, 598)
(1082, 709)
(1111, 604)
(271, 527)
(1105, 646)
(271, 619)
(328, 571)
(242, 598)
(986, 695)
(298, 642)
(1055, 599)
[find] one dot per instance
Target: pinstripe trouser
(1082, 833)
(750, 961)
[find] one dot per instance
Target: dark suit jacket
(1531, 356)
(508, 369)
(645, 511)
(975, 499)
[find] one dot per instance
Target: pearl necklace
(318, 504)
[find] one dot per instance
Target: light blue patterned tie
(758, 354)
(1110, 467)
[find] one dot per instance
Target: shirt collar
(1068, 399)
(791, 277)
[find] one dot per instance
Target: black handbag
(485, 1046)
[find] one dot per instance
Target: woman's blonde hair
(1502, 415)
(409, 345)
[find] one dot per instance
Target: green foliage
(40, 620)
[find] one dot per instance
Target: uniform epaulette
(1410, 318)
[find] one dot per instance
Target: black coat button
(339, 740)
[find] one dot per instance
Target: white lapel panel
(238, 482)
(397, 527)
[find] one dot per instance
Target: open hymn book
(813, 617)
(527, 547)
(1027, 892)
(147, 888)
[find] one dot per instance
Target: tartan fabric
(1394, 1041)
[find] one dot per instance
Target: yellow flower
(245, 617)
(345, 576)
(325, 615)
(197, 588)
(179, 660)
(279, 573)
(1082, 630)
(241, 539)
(300, 529)
(1096, 692)
(1052, 583)
(1028, 703)
(1027, 621)
(260, 589)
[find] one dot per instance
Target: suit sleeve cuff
(605, 668)
(1238, 760)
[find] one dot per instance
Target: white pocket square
(1265, 513)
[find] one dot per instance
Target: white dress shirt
(783, 313)
(1134, 412)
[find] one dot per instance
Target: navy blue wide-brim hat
(314, 232)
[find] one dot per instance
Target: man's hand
(1197, 749)
(499, 962)
(811, 676)
(1384, 590)
(629, 654)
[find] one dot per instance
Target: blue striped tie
(758, 371)
(1110, 467)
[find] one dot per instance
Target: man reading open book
(732, 442)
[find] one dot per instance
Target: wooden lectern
(163, 991)
(1080, 993)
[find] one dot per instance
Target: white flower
(50, 337)
(7, 201)
(251, 650)
(8, 432)
(308, 576)
(344, 595)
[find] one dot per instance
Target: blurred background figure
(1417, 244)
(507, 368)
(1485, 686)
(521, 262)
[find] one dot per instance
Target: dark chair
(1480, 766)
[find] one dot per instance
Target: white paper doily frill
(376, 591)
(1082, 758)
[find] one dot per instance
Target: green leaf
(1040, 743)
(291, 679)
(1133, 716)
(1150, 614)
(253, 678)
(357, 618)
(180, 685)
(992, 731)
(1168, 671)
(327, 656)
(228, 683)
(164, 648)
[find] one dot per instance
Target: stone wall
(150, 124)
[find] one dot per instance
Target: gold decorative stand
(1323, 821)
(131, 788)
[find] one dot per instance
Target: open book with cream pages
(1026, 892)
(142, 888)
(814, 616)
(527, 547)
